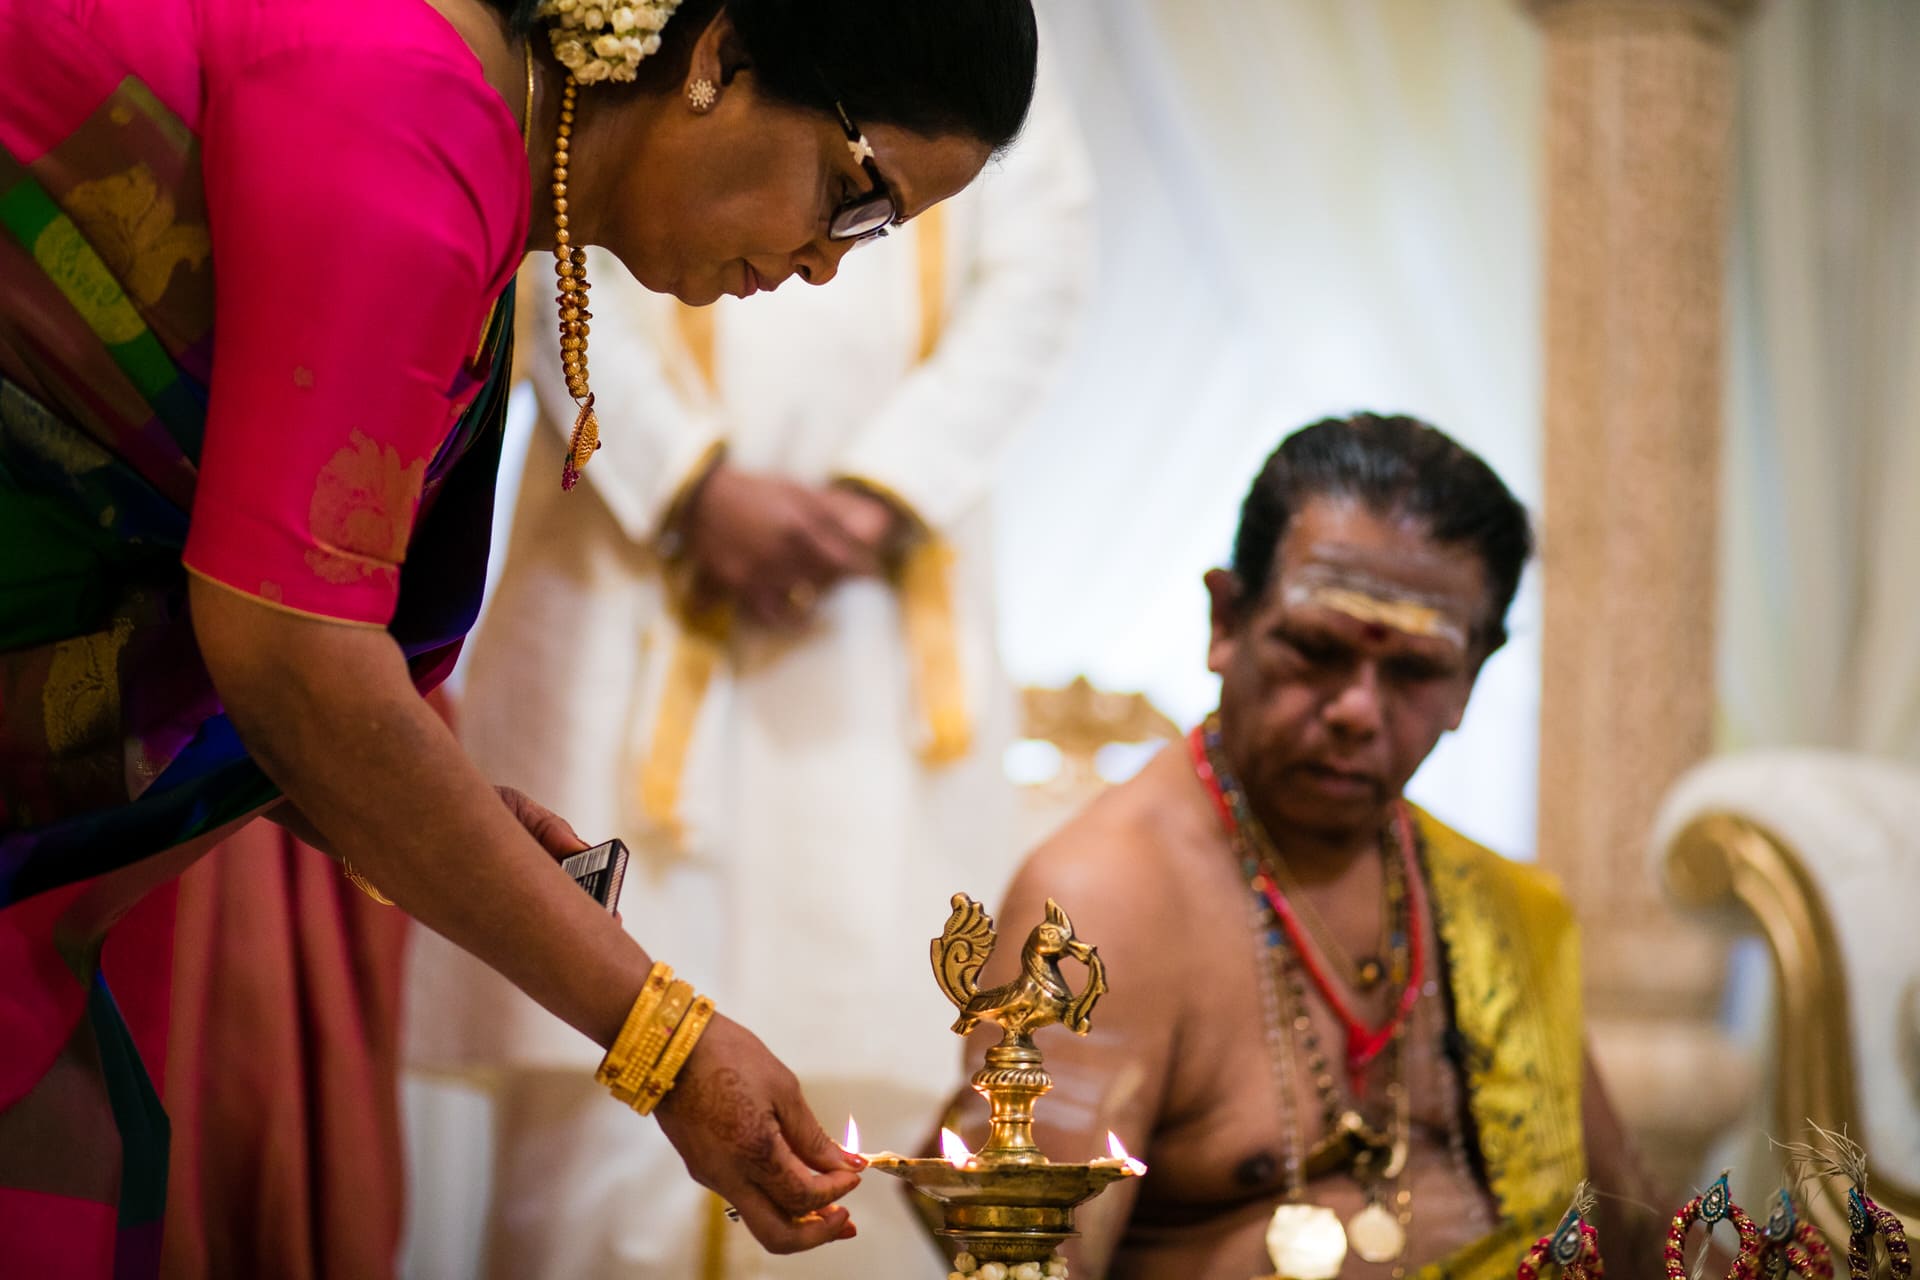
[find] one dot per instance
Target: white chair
(1819, 853)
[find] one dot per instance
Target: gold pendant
(1350, 1143)
(581, 447)
(1306, 1242)
(1376, 1235)
(586, 436)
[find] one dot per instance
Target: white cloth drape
(1820, 616)
(1819, 619)
(1306, 208)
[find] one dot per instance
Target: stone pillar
(1640, 101)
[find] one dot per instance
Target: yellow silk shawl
(1512, 951)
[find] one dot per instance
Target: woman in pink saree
(255, 275)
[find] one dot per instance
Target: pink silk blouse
(366, 204)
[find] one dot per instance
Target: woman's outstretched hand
(738, 1121)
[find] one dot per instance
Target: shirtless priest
(1334, 1024)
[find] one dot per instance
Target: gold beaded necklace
(570, 265)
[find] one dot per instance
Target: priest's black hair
(929, 66)
(1394, 466)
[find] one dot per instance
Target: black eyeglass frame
(852, 220)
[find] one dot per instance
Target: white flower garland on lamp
(600, 41)
(966, 1267)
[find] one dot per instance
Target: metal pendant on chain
(1376, 1156)
(1306, 1242)
(1363, 973)
(1368, 973)
(1379, 1233)
(1376, 1234)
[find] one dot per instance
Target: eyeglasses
(866, 215)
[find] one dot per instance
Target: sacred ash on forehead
(1361, 592)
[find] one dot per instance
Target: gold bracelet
(635, 1068)
(685, 1037)
(363, 884)
(639, 1019)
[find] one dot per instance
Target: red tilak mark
(1375, 632)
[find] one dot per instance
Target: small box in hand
(599, 871)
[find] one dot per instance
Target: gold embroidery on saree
(129, 220)
(80, 704)
(70, 262)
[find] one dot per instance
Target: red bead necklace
(1364, 1043)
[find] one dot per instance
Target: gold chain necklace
(1376, 1156)
(570, 266)
(1363, 974)
(1379, 1232)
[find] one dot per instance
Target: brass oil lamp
(1008, 1203)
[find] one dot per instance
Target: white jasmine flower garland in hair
(597, 40)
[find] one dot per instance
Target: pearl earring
(702, 94)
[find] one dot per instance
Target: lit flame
(954, 1149)
(853, 1137)
(1118, 1151)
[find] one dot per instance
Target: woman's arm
(329, 712)
(363, 210)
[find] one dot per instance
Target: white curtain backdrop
(1820, 614)
(1307, 208)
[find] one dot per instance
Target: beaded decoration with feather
(1793, 1246)
(1713, 1206)
(1573, 1246)
(1836, 1156)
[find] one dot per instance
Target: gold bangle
(639, 1018)
(638, 1064)
(678, 1050)
(363, 884)
(640, 1013)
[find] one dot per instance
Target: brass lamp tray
(1017, 1213)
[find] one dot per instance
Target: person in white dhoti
(762, 652)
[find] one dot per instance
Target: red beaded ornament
(1711, 1206)
(1364, 1043)
(1793, 1247)
(1868, 1220)
(1574, 1247)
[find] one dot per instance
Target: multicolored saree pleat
(113, 743)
